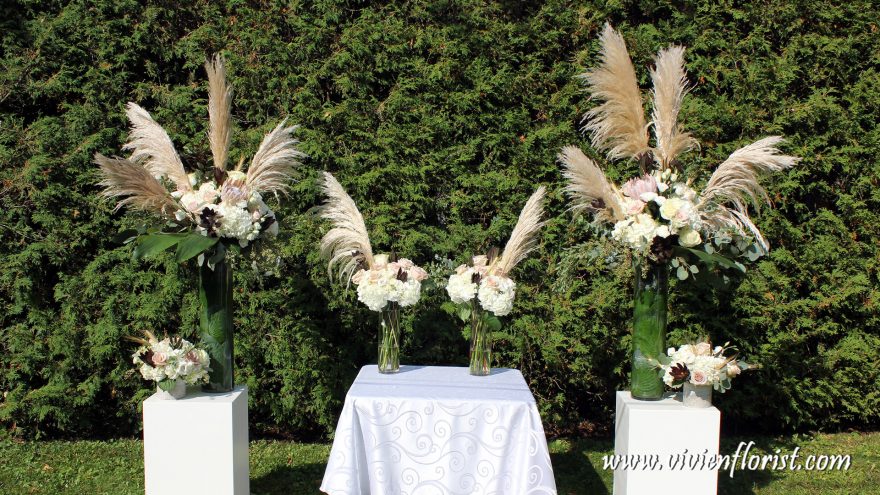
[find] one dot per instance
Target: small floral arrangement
(398, 281)
(483, 290)
(700, 364)
(170, 359)
(494, 290)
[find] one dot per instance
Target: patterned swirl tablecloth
(431, 430)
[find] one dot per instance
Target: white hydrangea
(374, 294)
(407, 293)
(496, 294)
(461, 288)
(237, 223)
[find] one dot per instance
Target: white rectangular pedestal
(198, 444)
(666, 428)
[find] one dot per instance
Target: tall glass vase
(481, 343)
(389, 339)
(215, 323)
(649, 330)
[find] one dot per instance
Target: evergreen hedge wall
(440, 117)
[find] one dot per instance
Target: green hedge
(439, 117)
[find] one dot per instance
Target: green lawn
(114, 467)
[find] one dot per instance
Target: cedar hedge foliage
(440, 117)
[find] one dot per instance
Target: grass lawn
(114, 467)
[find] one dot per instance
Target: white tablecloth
(431, 430)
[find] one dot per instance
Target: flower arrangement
(484, 290)
(171, 363)
(659, 216)
(385, 283)
(204, 214)
(701, 364)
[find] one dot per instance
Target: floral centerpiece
(171, 363)
(204, 214)
(484, 290)
(700, 368)
(385, 283)
(659, 216)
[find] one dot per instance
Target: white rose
(688, 237)
(670, 208)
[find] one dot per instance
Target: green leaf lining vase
(215, 323)
(649, 330)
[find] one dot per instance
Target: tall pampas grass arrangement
(484, 290)
(659, 217)
(204, 214)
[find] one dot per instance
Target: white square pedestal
(665, 428)
(198, 444)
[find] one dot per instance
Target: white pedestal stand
(666, 428)
(198, 444)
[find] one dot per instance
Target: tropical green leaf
(193, 245)
(151, 244)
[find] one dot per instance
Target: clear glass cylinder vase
(481, 343)
(215, 324)
(649, 330)
(389, 339)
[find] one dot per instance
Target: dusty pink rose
(733, 369)
(480, 260)
(634, 188)
(461, 269)
(357, 277)
(634, 207)
(405, 263)
(159, 359)
(699, 377)
(394, 266)
(417, 273)
(193, 357)
(703, 349)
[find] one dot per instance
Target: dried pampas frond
(588, 187)
(347, 244)
(670, 86)
(524, 238)
(132, 182)
(219, 111)
(617, 126)
(152, 146)
(735, 186)
(276, 160)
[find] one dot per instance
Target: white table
(198, 444)
(431, 430)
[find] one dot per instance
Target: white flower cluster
(234, 211)
(495, 292)
(700, 364)
(167, 360)
(658, 206)
(395, 281)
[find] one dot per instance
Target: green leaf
(151, 244)
(464, 312)
(492, 322)
(193, 245)
(124, 236)
(711, 260)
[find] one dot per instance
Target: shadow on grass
(299, 479)
(577, 467)
(745, 481)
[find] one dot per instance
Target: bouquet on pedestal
(484, 290)
(204, 214)
(173, 363)
(700, 368)
(384, 282)
(659, 216)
